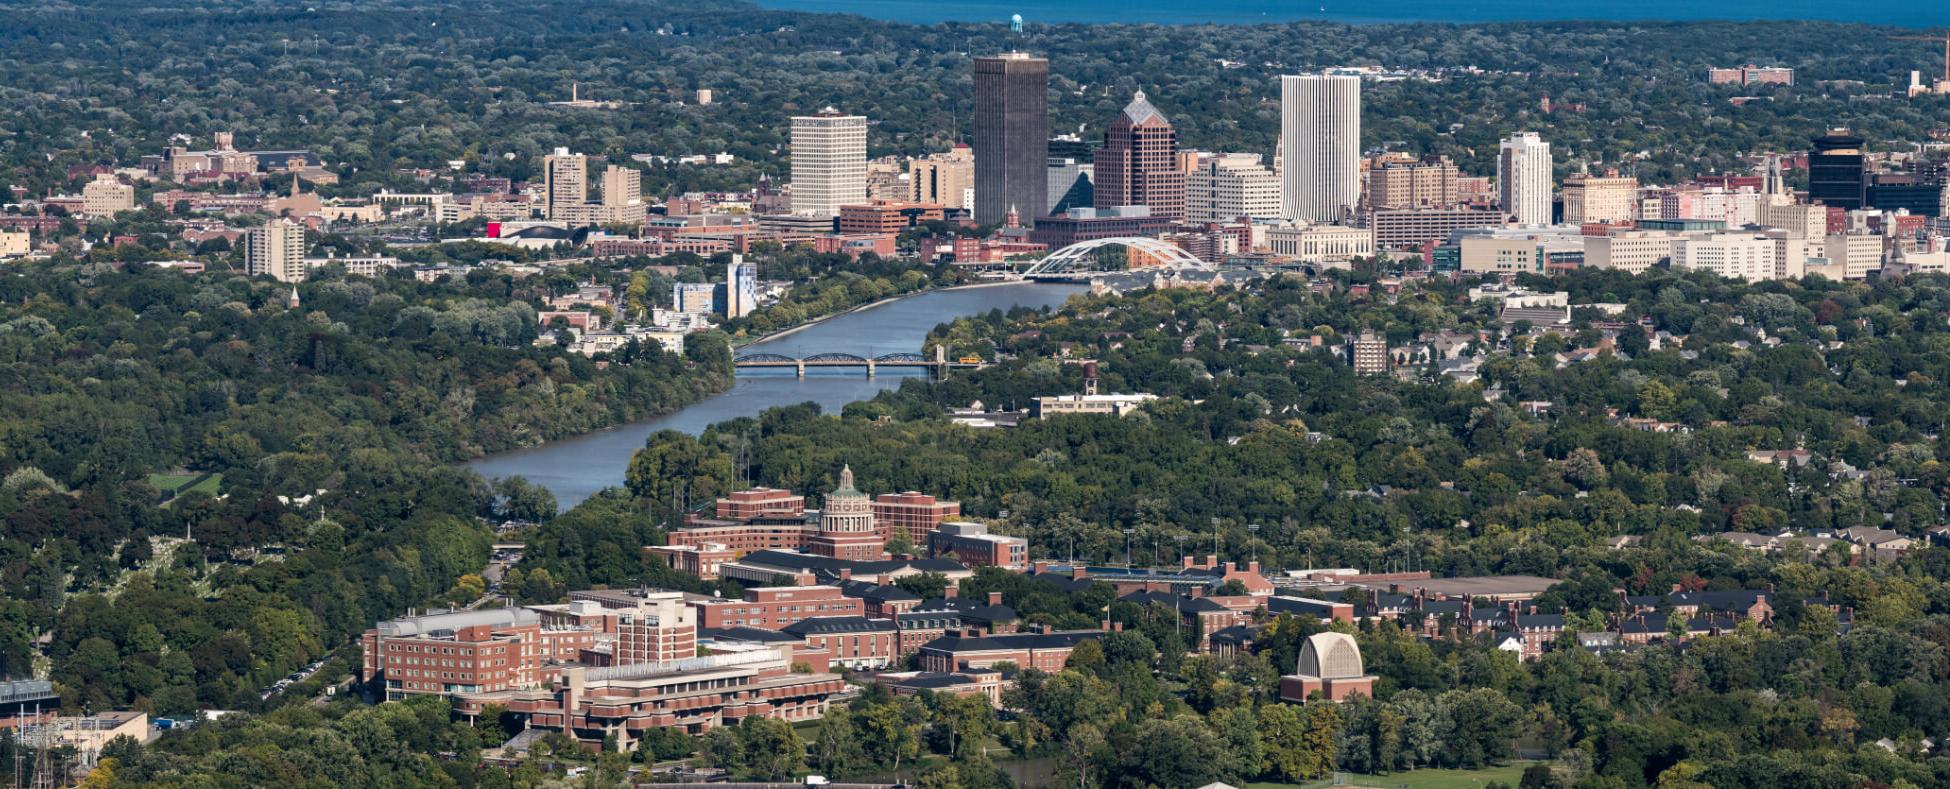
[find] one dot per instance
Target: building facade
(565, 182)
(829, 162)
(1523, 178)
(1609, 199)
(1320, 136)
(1428, 183)
(1138, 164)
(106, 196)
(1011, 137)
(1229, 186)
(944, 179)
(276, 249)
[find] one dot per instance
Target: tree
(724, 749)
(890, 731)
(772, 748)
(1284, 733)
(836, 745)
(928, 585)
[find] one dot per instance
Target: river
(575, 468)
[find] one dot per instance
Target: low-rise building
(971, 544)
(623, 703)
(1043, 650)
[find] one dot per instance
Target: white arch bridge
(1079, 260)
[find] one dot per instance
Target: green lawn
(1420, 779)
(175, 482)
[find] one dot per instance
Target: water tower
(1015, 23)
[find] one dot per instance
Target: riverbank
(575, 468)
(739, 342)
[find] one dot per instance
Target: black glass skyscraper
(1011, 137)
(1835, 170)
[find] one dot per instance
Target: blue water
(575, 468)
(1913, 13)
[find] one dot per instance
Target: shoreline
(787, 332)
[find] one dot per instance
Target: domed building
(846, 527)
(1330, 663)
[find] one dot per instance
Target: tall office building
(1835, 170)
(1320, 145)
(1011, 137)
(1138, 164)
(565, 181)
(740, 287)
(943, 178)
(1523, 178)
(1609, 199)
(276, 249)
(829, 162)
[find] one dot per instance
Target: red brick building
(851, 641)
(775, 607)
(1045, 651)
(887, 216)
(973, 545)
(913, 514)
(468, 651)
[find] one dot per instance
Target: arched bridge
(937, 366)
(1080, 259)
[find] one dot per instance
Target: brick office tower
(846, 529)
(1138, 164)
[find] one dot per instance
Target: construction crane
(1934, 38)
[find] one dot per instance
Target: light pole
(1253, 529)
(1127, 547)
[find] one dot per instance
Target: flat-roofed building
(1496, 255)
(1411, 228)
(913, 515)
(1857, 255)
(1632, 251)
(1046, 651)
(886, 216)
(695, 695)
(1427, 183)
(971, 544)
(106, 196)
(468, 651)
(1734, 255)
(774, 607)
(1321, 243)
(1610, 199)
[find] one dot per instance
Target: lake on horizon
(1912, 13)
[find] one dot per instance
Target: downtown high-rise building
(1011, 137)
(829, 162)
(1320, 146)
(565, 181)
(1138, 164)
(1523, 178)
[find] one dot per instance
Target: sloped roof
(1140, 112)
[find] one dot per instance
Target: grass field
(1420, 779)
(175, 482)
